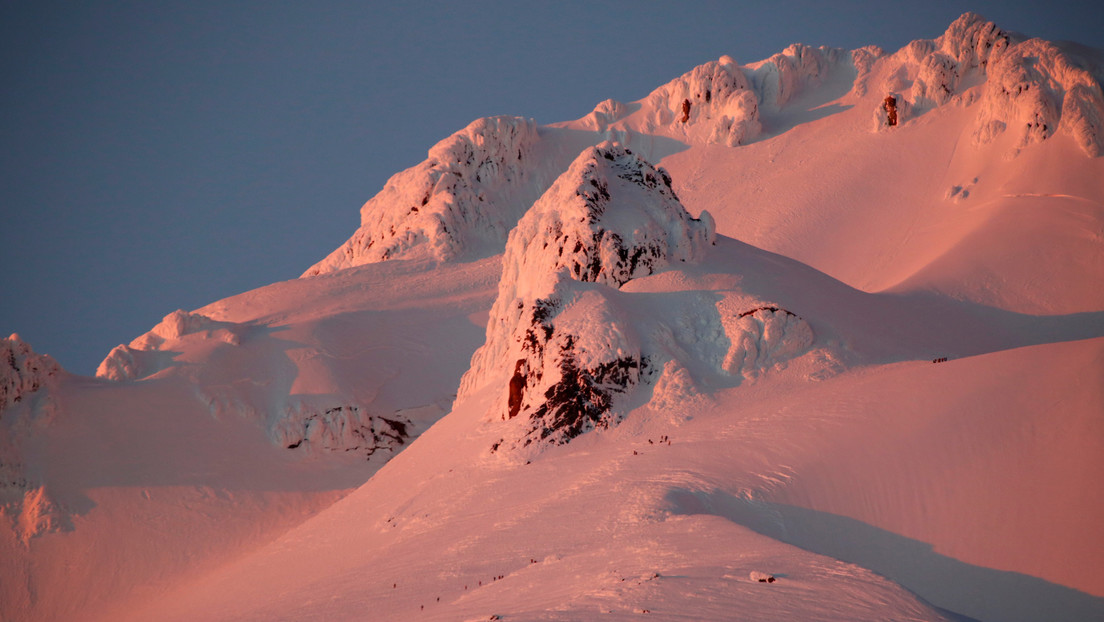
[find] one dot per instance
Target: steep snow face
(466, 192)
(22, 372)
(1033, 89)
(784, 76)
(565, 336)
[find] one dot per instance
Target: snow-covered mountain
(816, 337)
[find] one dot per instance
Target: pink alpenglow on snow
(671, 359)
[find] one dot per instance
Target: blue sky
(156, 156)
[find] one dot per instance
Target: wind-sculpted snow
(469, 191)
(22, 372)
(784, 76)
(1032, 88)
(147, 354)
(557, 325)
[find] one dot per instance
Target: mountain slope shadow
(959, 587)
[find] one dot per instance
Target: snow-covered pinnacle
(22, 372)
(1032, 88)
(609, 218)
(470, 189)
(557, 328)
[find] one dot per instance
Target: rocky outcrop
(467, 194)
(22, 372)
(558, 324)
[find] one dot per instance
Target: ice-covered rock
(470, 190)
(22, 372)
(606, 112)
(342, 428)
(1030, 89)
(559, 328)
(1035, 89)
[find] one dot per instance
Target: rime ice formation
(344, 428)
(145, 355)
(720, 102)
(558, 326)
(712, 103)
(22, 372)
(470, 190)
(762, 337)
(784, 76)
(1032, 88)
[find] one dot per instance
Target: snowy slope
(617, 520)
(695, 354)
(261, 409)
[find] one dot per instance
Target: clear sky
(164, 155)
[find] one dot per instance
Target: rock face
(890, 106)
(22, 372)
(468, 192)
(558, 325)
(1032, 88)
